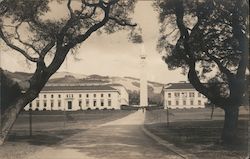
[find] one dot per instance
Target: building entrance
(69, 105)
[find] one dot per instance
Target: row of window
(79, 95)
(87, 103)
(183, 94)
(184, 102)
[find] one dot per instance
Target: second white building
(182, 95)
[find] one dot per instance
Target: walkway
(119, 139)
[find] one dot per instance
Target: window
(44, 103)
(102, 102)
(87, 102)
(191, 94)
(177, 102)
(87, 95)
(184, 94)
(37, 103)
(184, 102)
(199, 94)
(94, 103)
(169, 95)
(177, 94)
(101, 95)
(52, 96)
(80, 103)
(44, 96)
(199, 102)
(30, 105)
(52, 103)
(109, 95)
(169, 102)
(59, 95)
(69, 96)
(80, 96)
(59, 103)
(191, 102)
(109, 102)
(94, 95)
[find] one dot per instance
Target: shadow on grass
(42, 138)
(202, 138)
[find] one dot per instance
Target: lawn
(195, 132)
(51, 128)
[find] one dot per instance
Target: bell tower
(143, 79)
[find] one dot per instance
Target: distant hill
(63, 74)
(130, 83)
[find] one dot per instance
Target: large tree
(208, 39)
(33, 29)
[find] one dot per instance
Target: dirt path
(119, 139)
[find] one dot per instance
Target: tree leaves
(207, 43)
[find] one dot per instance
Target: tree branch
(21, 41)
(190, 58)
(24, 53)
(82, 37)
(219, 64)
(241, 38)
(90, 4)
(112, 2)
(122, 22)
(47, 48)
(88, 15)
(69, 8)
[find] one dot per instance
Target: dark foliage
(10, 91)
(209, 41)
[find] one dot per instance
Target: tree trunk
(229, 133)
(37, 82)
(11, 114)
(212, 113)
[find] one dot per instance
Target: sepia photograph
(124, 79)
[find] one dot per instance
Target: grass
(51, 128)
(49, 120)
(194, 132)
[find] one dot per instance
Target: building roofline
(61, 88)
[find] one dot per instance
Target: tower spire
(143, 79)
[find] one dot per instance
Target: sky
(112, 55)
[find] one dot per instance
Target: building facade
(76, 97)
(182, 95)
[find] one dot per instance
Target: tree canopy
(37, 29)
(208, 39)
(33, 28)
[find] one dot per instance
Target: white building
(182, 95)
(77, 97)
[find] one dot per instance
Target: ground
(195, 132)
(120, 135)
(51, 128)
(118, 139)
